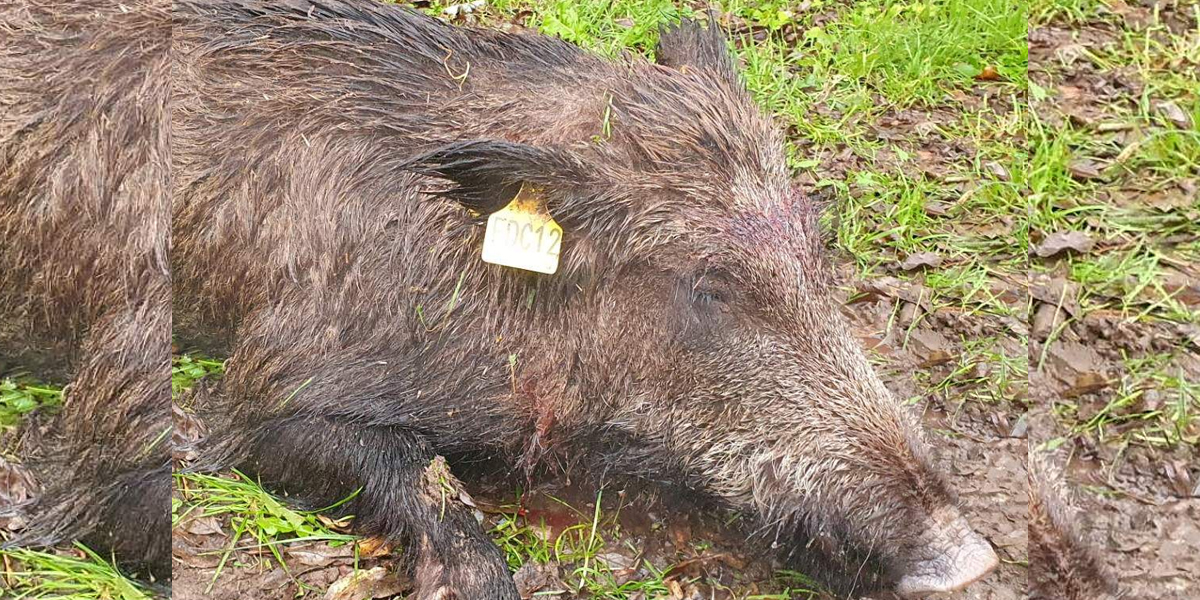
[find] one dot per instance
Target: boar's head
(696, 307)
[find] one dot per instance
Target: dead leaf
(939, 357)
(374, 583)
(1166, 200)
(1190, 187)
(875, 344)
(1190, 333)
(1063, 241)
(198, 559)
(926, 128)
(16, 484)
(871, 290)
(341, 525)
(1085, 169)
(1074, 358)
(998, 170)
(521, 19)
(320, 555)
(204, 526)
(1021, 428)
(930, 164)
(1151, 399)
(908, 313)
(917, 295)
(1056, 291)
(931, 347)
(1181, 479)
(1087, 383)
(533, 577)
(935, 208)
(1069, 94)
(676, 589)
(1070, 53)
(988, 73)
(1181, 287)
(921, 260)
(463, 9)
(373, 547)
(1045, 319)
(681, 535)
(1171, 112)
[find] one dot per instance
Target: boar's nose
(958, 558)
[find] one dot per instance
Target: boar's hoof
(466, 589)
(442, 593)
(951, 569)
(472, 573)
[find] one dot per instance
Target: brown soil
(1140, 502)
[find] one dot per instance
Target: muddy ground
(1118, 375)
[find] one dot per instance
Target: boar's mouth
(954, 558)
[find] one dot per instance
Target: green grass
(81, 575)
(22, 396)
(186, 370)
(910, 52)
(1146, 228)
(1130, 417)
(983, 372)
(1136, 205)
(577, 550)
(913, 52)
(1067, 11)
(258, 520)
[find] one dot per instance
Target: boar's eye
(706, 296)
(704, 307)
(708, 289)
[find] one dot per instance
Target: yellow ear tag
(522, 235)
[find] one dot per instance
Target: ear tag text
(522, 235)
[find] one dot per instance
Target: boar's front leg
(408, 496)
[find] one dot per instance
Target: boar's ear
(488, 173)
(688, 45)
(601, 219)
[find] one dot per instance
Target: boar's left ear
(690, 46)
(488, 173)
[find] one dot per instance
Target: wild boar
(84, 284)
(335, 163)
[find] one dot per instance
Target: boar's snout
(953, 558)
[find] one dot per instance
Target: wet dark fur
(1063, 564)
(84, 287)
(334, 162)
